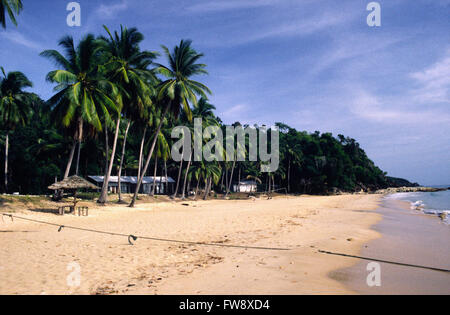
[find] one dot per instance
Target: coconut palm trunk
(221, 181)
(154, 174)
(104, 194)
(231, 178)
(167, 181)
(183, 196)
(239, 177)
(147, 163)
(141, 152)
(178, 178)
(6, 161)
(69, 162)
(119, 187)
(80, 138)
(205, 196)
(289, 176)
(196, 189)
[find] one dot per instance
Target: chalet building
(128, 184)
(245, 186)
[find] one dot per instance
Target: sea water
(432, 203)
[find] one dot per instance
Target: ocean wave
(419, 205)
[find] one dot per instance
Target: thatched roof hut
(72, 183)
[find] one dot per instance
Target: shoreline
(34, 257)
(409, 237)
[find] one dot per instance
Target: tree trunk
(205, 196)
(210, 186)
(221, 181)
(185, 178)
(6, 161)
(80, 138)
(289, 176)
(154, 174)
(226, 179)
(104, 194)
(141, 152)
(231, 178)
(119, 187)
(178, 178)
(160, 183)
(196, 188)
(69, 162)
(106, 151)
(133, 201)
(239, 178)
(167, 180)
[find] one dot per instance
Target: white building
(245, 186)
(128, 184)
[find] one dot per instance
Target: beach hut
(73, 183)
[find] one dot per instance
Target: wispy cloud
(18, 38)
(226, 5)
(269, 26)
(434, 82)
(110, 11)
(371, 108)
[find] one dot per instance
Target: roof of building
(73, 182)
(133, 179)
(247, 182)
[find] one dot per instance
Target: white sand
(34, 257)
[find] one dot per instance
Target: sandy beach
(36, 258)
(411, 237)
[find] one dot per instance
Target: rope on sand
(134, 237)
(384, 261)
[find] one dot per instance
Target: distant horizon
(312, 65)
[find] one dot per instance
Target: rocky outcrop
(400, 182)
(393, 190)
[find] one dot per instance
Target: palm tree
(15, 106)
(203, 110)
(238, 147)
(127, 66)
(178, 90)
(12, 7)
(212, 175)
(127, 129)
(162, 152)
(209, 172)
(83, 94)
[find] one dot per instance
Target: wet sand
(407, 237)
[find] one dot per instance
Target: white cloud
(371, 108)
(224, 5)
(20, 39)
(235, 111)
(434, 82)
(300, 19)
(111, 10)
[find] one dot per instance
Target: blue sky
(312, 64)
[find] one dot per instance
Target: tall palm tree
(203, 109)
(209, 172)
(12, 7)
(178, 89)
(162, 152)
(127, 66)
(83, 94)
(237, 147)
(15, 106)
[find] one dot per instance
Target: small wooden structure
(73, 183)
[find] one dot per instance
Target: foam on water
(432, 203)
